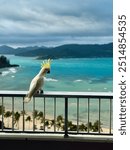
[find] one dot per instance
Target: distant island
(63, 51)
(4, 62)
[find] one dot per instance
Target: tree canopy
(4, 62)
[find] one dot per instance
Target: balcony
(84, 117)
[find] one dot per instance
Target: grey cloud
(53, 19)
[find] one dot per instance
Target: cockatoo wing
(35, 85)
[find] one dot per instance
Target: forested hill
(4, 62)
(67, 51)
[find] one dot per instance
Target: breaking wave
(13, 70)
(78, 80)
(4, 73)
(50, 79)
(9, 71)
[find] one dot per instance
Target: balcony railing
(88, 113)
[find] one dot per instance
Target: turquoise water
(89, 74)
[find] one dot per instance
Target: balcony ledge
(57, 137)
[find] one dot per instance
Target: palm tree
(96, 126)
(23, 112)
(60, 118)
(73, 127)
(29, 119)
(83, 127)
(90, 126)
(60, 122)
(47, 123)
(52, 122)
(7, 115)
(35, 114)
(16, 118)
(40, 116)
(70, 124)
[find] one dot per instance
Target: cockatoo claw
(39, 91)
(27, 99)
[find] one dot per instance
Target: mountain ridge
(62, 51)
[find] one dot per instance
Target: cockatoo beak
(48, 71)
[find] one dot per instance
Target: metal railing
(61, 112)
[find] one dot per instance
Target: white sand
(29, 125)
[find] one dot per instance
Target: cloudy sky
(55, 22)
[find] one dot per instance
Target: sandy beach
(39, 124)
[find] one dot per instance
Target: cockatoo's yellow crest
(46, 64)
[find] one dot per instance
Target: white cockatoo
(38, 81)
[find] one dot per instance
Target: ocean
(76, 74)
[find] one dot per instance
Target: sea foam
(9, 71)
(13, 70)
(50, 79)
(4, 73)
(78, 80)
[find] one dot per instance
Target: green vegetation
(7, 115)
(16, 118)
(63, 51)
(72, 51)
(4, 62)
(59, 122)
(29, 119)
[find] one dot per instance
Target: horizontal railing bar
(58, 132)
(60, 94)
(30, 135)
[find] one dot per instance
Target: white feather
(35, 85)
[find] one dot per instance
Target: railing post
(88, 113)
(23, 116)
(44, 113)
(2, 114)
(33, 114)
(12, 113)
(110, 115)
(99, 125)
(77, 115)
(54, 114)
(66, 117)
